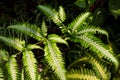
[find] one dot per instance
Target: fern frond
(61, 13)
(51, 13)
(30, 30)
(12, 69)
(33, 46)
(30, 65)
(100, 69)
(81, 74)
(54, 59)
(57, 39)
(83, 59)
(73, 26)
(4, 55)
(98, 47)
(94, 30)
(44, 29)
(15, 43)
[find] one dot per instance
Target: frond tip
(84, 74)
(51, 13)
(15, 43)
(57, 39)
(73, 26)
(100, 69)
(94, 30)
(62, 15)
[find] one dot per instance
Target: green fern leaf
(98, 47)
(73, 26)
(12, 69)
(33, 46)
(4, 55)
(15, 43)
(31, 30)
(100, 69)
(44, 29)
(57, 39)
(62, 15)
(83, 59)
(54, 59)
(49, 12)
(81, 74)
(91, 29)
(30, 65)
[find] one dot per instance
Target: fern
(57, 39)
(83, 59)
(99, 68)
(4, 55)
(56, 17)
(51, 13)
(98, 47)
(73, 26)
(33, 46)
(15, 43)
(36, 33)
(30, 30)
(12, 69)
(61, 13)
(81, 74)
(44, 29)
(54, 59)
(94, 30)
(30, 65)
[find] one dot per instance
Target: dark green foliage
(114, 8)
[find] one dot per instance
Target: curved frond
(12, 69)
(33, 46)
(30, 65)
(54, 59)
(98, 47)
(81, 74)
(83, 59)
(62, 15)
(51, 13)
(30, 30)
(15, 43)
(78, 22)
(100, 69)
(57, 39)
(91, 29)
